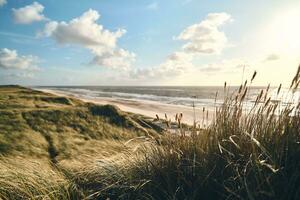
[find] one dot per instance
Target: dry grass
(33, 179)
(243, 154)
(45, 139)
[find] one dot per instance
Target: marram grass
(243, 154)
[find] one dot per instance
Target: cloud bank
(174, 65)
(9, 59)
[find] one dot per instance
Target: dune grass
(243, 154)
(44, 138)
(34, 122)
(33, 179)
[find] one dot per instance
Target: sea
(198, 96)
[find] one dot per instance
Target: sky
(148, 42)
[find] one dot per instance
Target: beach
(147, 108)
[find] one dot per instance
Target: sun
(283, 32)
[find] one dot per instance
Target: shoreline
(147, 108)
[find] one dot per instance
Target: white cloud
(203, 38)
(178, 69)
(86, 32)
(2, 2)
(226, 66)
(206, 37)
(179, 64)
(9, 59)
(49, 28)
(152, 6)
(29, 14)
(117, 58)
(176, 64)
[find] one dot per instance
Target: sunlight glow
(284, 31)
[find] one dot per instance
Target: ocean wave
(204, 99)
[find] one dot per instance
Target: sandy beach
(148, 108)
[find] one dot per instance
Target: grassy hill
(38, 130)
(36, 123)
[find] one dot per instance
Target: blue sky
(170, 42)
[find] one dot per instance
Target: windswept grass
(33, 179)
(45, 139)
(243, 154)
(33, 122)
